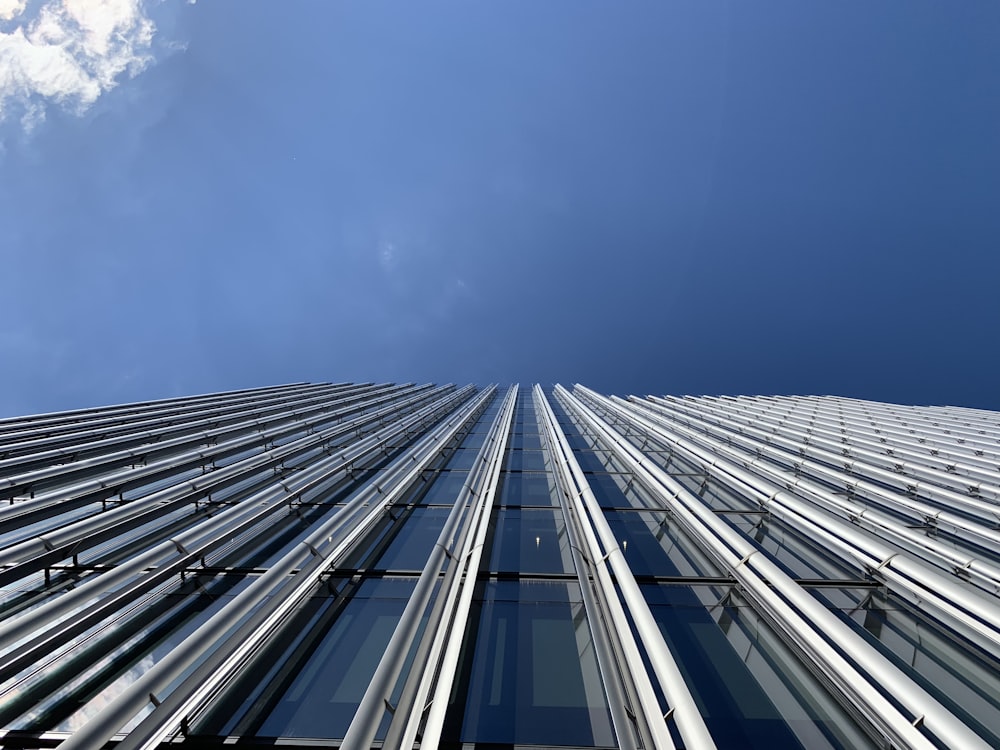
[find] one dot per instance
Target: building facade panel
(380, 565)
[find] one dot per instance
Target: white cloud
(68, 53)
(11, 8)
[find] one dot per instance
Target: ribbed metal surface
(114, 520)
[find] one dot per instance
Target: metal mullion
(164, 501)
(81, 493)
(202, 538)
(945, 425)
(797, 453)
(886, 434)
(963, 565)
(225, 657)
(604, 552)
(456, 528)
(930, 432)
(16, 454)
(24, 655)
(455, 630)
(195, 433)
(964, 611)
(851, 431)
(827, 435)
(962, 528)
(739, 434)
(117, 415)
(435, 663)
(104, 429)
(69, 414)
(873, 459)
(856, 670)
(623, 702)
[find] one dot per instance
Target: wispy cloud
(68, 53)
(387, 256)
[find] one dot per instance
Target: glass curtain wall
(379, 565)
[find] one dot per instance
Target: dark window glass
(474, 441)
(463, 459)
(327, 687)
(522, 441)
(527, 489)
(444, 487)
(412, 542)
(590, 461)
(530, 541)
(525, 461)
(534, 679)
(751, 690)
(617, 492)
(653, 545)
(797, 553)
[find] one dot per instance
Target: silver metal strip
(198, 433)
(946, 500)
(56, 544)
(624, 701)
(841, 425)
(804, 622)
(974, 615)
(148, 569)
(900, 460)
(268, 601)
(603, 551)
(74, 415)
(927, 508)
(453, 629)
(480, 492)
(92, 436)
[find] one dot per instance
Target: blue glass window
(526, 488)
(327, 688)
(532, 540)
(534, 678)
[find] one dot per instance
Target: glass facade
(361, 565)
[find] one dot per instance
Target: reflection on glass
(957, 675)
(327, 686)
(533, 678)
(443, 487)
(532, 540)
(751, 690)
(414, 539)
(100, 664)
(795, 551)
(527, 489)
(653, 545)
(524, 460)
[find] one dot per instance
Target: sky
(776, 197)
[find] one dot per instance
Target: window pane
(328, 685)
(751, 690)
(444, 487)
(525, 461)
(527, 489)
(653, 544)
(530, 541)
(534, 677)
(412, 543)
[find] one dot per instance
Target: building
(357, 566)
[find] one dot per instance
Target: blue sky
(665, 197)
